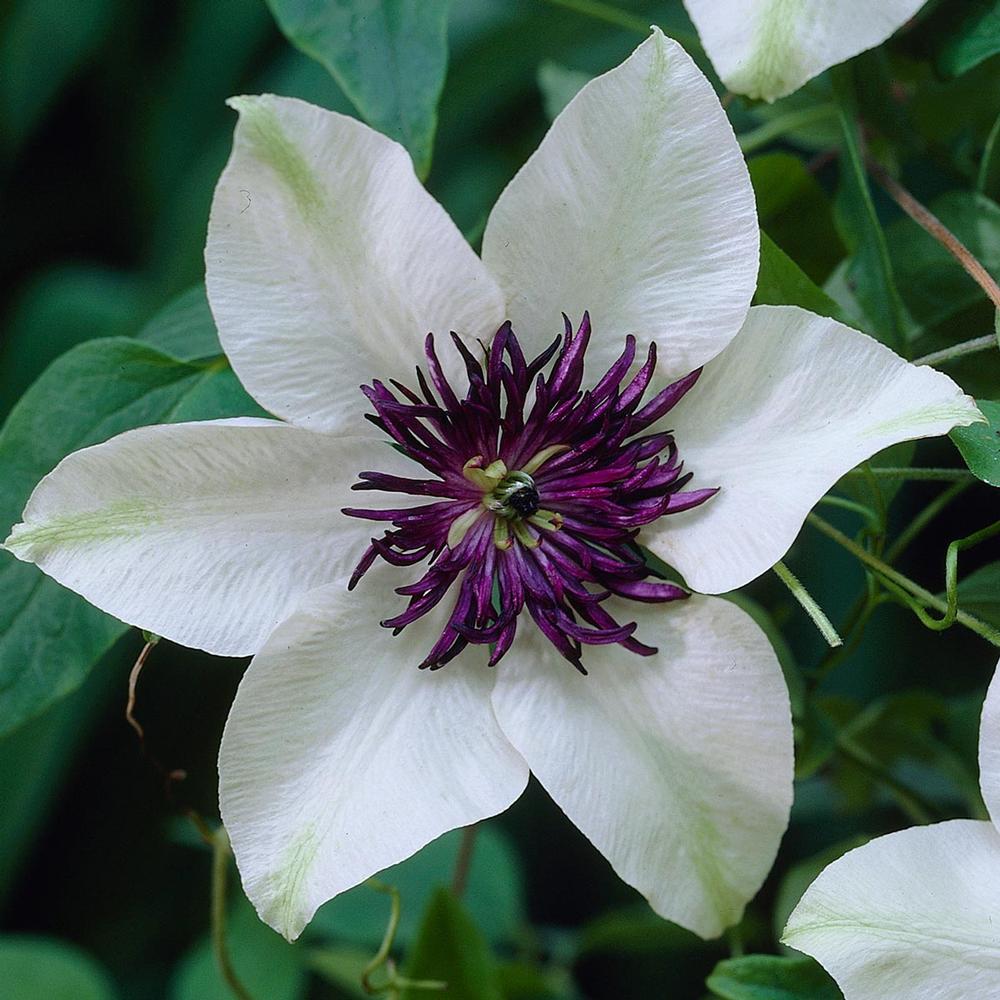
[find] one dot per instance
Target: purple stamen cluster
(536, 510)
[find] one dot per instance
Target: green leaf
(388, 56)
(494, 893)
(771, 977)
(795, 211)
(450, 949)
(974, 38)
(559, 85)
(979, 593)
(37, 968)
(184, 328)
(58, 309)
(869, 273)
(267, 965)
(781, 281)
(49, 637)
(980, 443)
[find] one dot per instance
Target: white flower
(768, 48)
(327, 264)
(915, 914)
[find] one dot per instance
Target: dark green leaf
(184, 328)
(980, 443)
(523, 981)
(869, 273)
(267, 965)
(49, 637)
(559, 85)
(34, 762)
(636, 930)
(42, 43)
(974, 38)
(795, 211)
(782, 282)
(934, 284)
(770, 977)
(389, 57)
(450, 949)
(46, 969)
(494, 894)
(58, 309)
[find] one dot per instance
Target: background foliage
(112, 133)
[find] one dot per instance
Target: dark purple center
(538, 510)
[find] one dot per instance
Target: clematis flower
(532, 455)
(914, 914)
(768, 48)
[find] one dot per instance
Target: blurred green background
(113, 130)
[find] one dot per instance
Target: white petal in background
(341, 758)
(637, 206)
(791, 405)
(989, 749)
(205, 533)
(677, 767)
(768, 48)
(327, 263)
(914, 915)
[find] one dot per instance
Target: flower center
(515, 497)
(545, 515)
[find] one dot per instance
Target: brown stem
(133, 679)
(938, 230)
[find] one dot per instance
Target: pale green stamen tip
(548, 519)
(501, 534)
(524, 536)
(540, 458)
(484, 479)
(461, 525)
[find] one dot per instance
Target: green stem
(809, 605)
(903, 583)
(951, 577)
(220, 870)
(858, 508)
(394, 982)
(925, 475)
(752, 140)
(924, 518)
(959, 350)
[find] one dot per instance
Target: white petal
(914, 915)
(204, 533)
(768, 48)
(341, 758)
(638, 207)
(678, 767)
(989, 749)
(327, 263)
(791, 405)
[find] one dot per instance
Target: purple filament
(569, 541)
